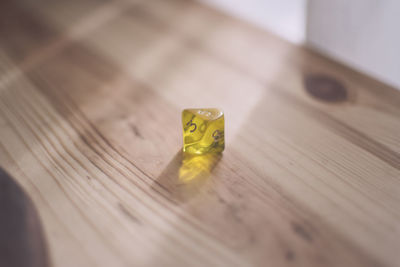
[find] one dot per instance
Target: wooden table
(91, 94)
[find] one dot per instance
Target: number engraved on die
(190, 124)
(216, 135)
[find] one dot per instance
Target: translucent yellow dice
(203, 130)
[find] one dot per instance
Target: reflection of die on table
(203, 130)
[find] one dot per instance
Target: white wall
(283, 17)
(364, 34)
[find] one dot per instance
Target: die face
(203, 131)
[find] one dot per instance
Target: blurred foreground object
(22, 243)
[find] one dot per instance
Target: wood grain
(90, 127)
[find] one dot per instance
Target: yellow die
(203, 130)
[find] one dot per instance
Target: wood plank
(90, 128)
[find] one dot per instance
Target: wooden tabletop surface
(91, 94)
